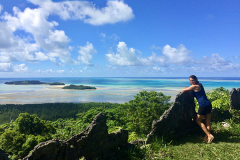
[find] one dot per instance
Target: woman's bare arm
(193, 87)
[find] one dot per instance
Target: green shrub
(235, 115)
(31, 124)
(219, 98)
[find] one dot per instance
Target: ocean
(109, 89)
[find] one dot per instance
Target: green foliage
(67, 128)
(26, 82)
(1, 130)
(219, 98)
(50, 111)
(20, 137)
(138, 114)
(19, 145)
(78, 87)
(88, 116)
(133, 136)
(11, 141)
(31, 124)
(56, 83)
(235, 115)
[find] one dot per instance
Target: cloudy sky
(130, 38)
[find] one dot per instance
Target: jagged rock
(138, 142)
(178, 119)
(3, 155)
(92, 143)
(234, 97)
(52, 149)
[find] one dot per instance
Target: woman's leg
(208, 121)
(204, 128)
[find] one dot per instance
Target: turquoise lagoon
(114, 90)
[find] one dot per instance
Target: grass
(226, 145)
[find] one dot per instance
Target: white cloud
(127, 57)
(60, 71)
(124, 56)
(9, 67)
(6, 67)
(156, 68)
(154, 59)
(38, 2)
(6, 37)
(115, 11)
(216, 63)
(41, 56)
(85, 53)
(174, 60)
(48, 71)
(20, 68)
(178, 55)
(53, 42)
(42, 41)
(7, 57)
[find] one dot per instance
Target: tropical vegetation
(24, 126)
(78, 87)
(30, 82)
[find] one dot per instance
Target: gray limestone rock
(92, 143)
(178, 119)
(234, 98)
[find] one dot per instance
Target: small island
(78, 87)
(56, 83)
(32, 82)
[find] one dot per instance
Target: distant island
(78, 87)
(31, 82)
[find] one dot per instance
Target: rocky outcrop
(178, 119)
(138, 142)
(93, 143)
(235, 98)
(3, 156)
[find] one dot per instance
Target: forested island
(32, 82)
(78, 87)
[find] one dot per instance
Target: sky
(119, 38)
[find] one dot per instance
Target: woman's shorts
(204, 110)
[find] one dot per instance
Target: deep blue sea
(114, 90)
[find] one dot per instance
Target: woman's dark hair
(194, 77)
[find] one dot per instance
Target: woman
(205, 107)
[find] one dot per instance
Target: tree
(139, 113)
(31, 124)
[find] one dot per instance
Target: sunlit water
(115, 90)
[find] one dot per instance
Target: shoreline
(54, 94)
